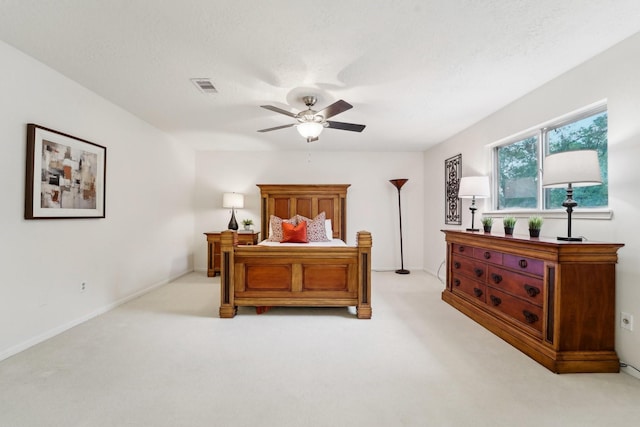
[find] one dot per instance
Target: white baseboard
(11, 351)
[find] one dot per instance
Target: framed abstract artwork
(452, 175)
(66, 176)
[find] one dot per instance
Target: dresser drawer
(494, 257)
(468, 286)
(524, 313)
(469, 267)
(523, 264)
(462, 249)
(526, 287)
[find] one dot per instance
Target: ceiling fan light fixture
(310, 129)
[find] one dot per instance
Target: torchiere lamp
(398, 183)
(233, 201)
(474, 187)
(571, 169)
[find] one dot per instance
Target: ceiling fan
(311, 122)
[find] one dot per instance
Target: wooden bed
(300, 275)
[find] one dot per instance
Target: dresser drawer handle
(456, 264)
(487, 255)
(529, 316)
(479, 272)
(456, 282)
(477, 292)
(496, 278)
(532, 291)
(461, 248)
(495, 300)
(522, 263)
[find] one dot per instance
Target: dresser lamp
(233, 201)
(571, 169)
(474, 187)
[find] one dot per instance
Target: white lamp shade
(474, 186)
(310, 129)
(579, 168)
(233, 200)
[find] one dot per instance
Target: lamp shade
(474, 186)
(233, 200)
(579, 168)
(310, 129)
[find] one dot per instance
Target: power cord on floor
(626, 365)
(438, 273)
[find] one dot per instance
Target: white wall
(145, 240)
(372, 201)
(612, 75)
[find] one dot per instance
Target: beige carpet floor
(166, 359)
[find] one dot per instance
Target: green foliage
(587, 134)
(487, 220)
(517, 165)
(247, 222)
(535, 222)
(518, 174)
(509, 221)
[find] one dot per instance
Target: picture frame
(452, 175)
(65, 176)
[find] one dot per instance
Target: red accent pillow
(294, 233)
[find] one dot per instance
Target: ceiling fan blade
(276, 128)
(346, 126)
(279, 110)
(335, 108)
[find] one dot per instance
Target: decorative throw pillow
(294, 233)
(316, 231)
(275, 227)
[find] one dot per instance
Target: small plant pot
(534, 232)
(487, 228)
(508, 230)
(247, 227)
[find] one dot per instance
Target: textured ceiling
(416, 72)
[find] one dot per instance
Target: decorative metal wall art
(452, 175)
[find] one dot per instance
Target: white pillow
(328, 229)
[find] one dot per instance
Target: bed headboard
(287, 200)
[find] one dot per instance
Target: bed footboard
(295, 276)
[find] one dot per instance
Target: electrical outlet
(626, 321)
(83, 286)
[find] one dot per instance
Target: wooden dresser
(553, 300)
(213, 248)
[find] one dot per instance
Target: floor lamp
(570, 169)
(398, 183)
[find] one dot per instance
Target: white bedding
(331, 243)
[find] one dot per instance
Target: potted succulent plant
(535, 224)
(487, 222)
(509, 222)
(247, 223)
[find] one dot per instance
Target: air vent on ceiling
(205, 86)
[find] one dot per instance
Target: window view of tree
(518, 174)
(518, 168)
(589, 133)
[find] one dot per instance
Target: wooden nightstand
(213, 248)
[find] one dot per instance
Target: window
(519, 163)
